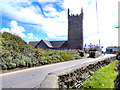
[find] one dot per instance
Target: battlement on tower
(75, 30)
(75, 15)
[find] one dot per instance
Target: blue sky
(34, 20)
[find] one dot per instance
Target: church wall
(75, 31)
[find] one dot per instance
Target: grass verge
(103, 78)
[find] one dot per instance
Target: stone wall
(72, 77)
(117, 80)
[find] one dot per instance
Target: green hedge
(16, 53)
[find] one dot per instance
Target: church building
(75, 35)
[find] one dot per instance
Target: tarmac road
(33, 77)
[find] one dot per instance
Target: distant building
(75, 35)
(113, 49)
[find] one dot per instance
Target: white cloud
(52, 36)
(47, 1)
(30, 35)
(14, 29)
(30, 14)
(5, 30)
(36, 38)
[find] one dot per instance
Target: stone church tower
(75, 31)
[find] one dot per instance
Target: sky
(34, 20)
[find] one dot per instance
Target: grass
(103, 78)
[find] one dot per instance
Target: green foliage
(17, 62)
(78, 57)
(22, 63)
(4, 67)
(118, 53)
(17, 53)
(65, 56)
(103, 78)
(12, 65)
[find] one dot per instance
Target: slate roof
(57, 44)
(47, 43)
(50, 44)
(33, 43)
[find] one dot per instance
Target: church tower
(75, 30)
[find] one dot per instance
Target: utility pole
(97, 23)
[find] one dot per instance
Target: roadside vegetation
(103, 78)
(117, 80)
(16, 53)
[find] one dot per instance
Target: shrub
(11, 65)
(66, 57)
(118, 53)
(17, 53)
(17, 62)
(4, 67)
(22, 63)
(78, 57)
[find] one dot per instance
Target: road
(32, 77)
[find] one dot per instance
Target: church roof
(33, 43)
(47, 43)
(57, 44)
(51, 44)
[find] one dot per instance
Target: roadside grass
(103, 78)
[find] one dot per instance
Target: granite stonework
(75, 31)
(73, 76)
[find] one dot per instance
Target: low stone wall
(117, 80)
(72, 77)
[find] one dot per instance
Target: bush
(4, 67)
(17, 53)
(66, 57)
(118, 53)
(22, 63)
(17, 62)
(78, 57)
(11, 65)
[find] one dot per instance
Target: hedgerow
(16, 53)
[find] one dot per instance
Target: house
(113, 49)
